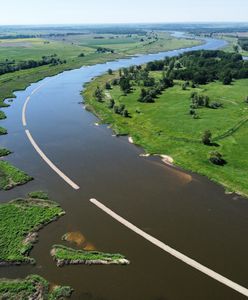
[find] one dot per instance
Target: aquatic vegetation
(10, 176)
(38, 195)
(32, 287)
(67, 256)
(2, 115)
(20, 220)
(4, 152)
(3, 131)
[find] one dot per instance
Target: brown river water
(185, 211)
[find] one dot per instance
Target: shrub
(206, 138)
(111, 103)
(108, 86)
(217, 159)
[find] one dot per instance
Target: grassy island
(20, 220)
(169, 107)
(32, 287)
(10, 176)
(67, 256)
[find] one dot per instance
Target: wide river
(184, 210)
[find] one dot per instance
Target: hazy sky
(124, 11)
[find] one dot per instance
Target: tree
(206, 138)
(108, 86)
(216, 158)
(246, 100)
(98, 94)
(143, 93)
(125, 113)
(111, 103)
(150, 81)
(110, 71)
(227, 79)
(116, 109)
(115, 81)
(81, 55)
(236, 48)
(125, 85)
(121, 108)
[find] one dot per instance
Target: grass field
(32, 287)
(69, 49)
(19, 222)
(233, 41)
(166, 127)
(65, 256)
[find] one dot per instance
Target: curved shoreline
(229, 187)
(56, 73)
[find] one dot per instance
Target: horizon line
(129, 23)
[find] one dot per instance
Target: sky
(21, 12)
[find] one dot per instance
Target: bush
(111, 103)
(108, 86)
(206, 138)
(98, 94)
(125, 113)
(217, 159)
(227, 80)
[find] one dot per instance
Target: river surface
(184, 210)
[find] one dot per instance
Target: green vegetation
(27, 59)
(19, 222)
(243, 43)
(235, 43)
(3, 131)
(38, 195)
(66, 256)
(69, 48)
(10, 66)
(10, 176)
(196, 124)
(32, 287)
(2, 115)
(4, 152)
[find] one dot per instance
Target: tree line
(9, 66)
(203, 66)
(243, 43)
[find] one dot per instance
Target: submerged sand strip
(194, 264)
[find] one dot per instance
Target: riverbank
(166, 127)
(10, 176)
(20, 80)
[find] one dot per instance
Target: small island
(32, 287)
(67, 256)
(10, 176)
(20, 221)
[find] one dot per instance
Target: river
(184, 210)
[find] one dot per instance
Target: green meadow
(69, 49)
(166, 126)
